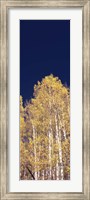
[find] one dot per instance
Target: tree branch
(31, 173)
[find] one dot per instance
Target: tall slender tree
(47, 129)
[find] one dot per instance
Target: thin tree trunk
(34, 138)
(50, 142)
(47, 173)
(59, 164)
(53, 174)
(57, 140)
(38, 164)
(60, 152)
(64, 133)
(38, 174)
(43, 174)
(57, 170)
(50, 148)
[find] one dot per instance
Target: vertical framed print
(45, 99)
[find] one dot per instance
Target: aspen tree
(47, 126)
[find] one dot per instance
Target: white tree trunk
(34, 138)
(50, 151)
(47, 173)
(43, 174)
(50, 141)
(64, 132)
(53, 173)
(60, 152)
(62, 174)
(59, 165)
(57, 140)
(38, 172)
(57, 170)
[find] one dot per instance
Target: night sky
(44, 50)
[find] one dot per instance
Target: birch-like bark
(59, 169)
(57, 140)
(47, 173)
(60, 153)
(50, 142)
(34, 138)
(64, 133)
(38, 173)
(50, 150)
(53, 173)
(39, 161)
(43, 174)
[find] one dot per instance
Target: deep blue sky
(44, 50)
